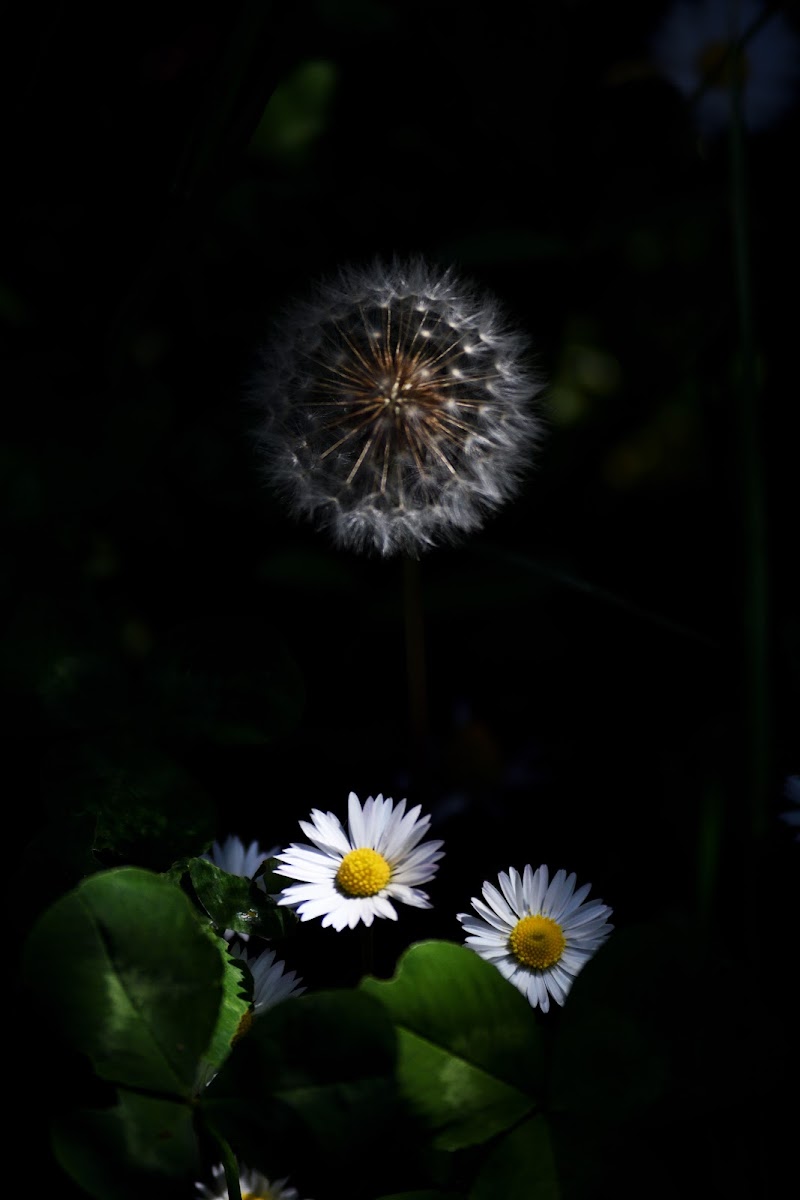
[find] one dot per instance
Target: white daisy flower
(347, 877)
(271, 981)
(791, 791)
(254, 1186)
(538, 936)
(704, 47)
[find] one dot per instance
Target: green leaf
(314, 1082)
(129, 977)
(237, 991)
(610, 1058)
(469, 1055)
(140, 1147)
(297, 112)
(520, 1167)
(425, 1195)
(236, 903)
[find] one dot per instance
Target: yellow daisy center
(363, 872)
(537, 942)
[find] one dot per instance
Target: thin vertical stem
(754, 671)
(367, 950)
(752, 648)
(415, 665)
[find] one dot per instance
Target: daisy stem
(367, 951)
(751, 725)
(753, 615)
(227, 1157)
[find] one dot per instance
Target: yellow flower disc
(363, 872)
(537, 942)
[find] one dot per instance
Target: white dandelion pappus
(272, 983)
(253, 1185)
(355, 875)
(395, 407)
(539, 935)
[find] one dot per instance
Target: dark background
(173, 638)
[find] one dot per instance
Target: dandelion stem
(415, 665)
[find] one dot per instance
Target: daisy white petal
(708, 48)
(791, 791)
(253, 1185)
(353, 876)
(237, 859)
(271, 981)
(537, 931)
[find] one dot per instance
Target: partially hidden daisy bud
(353, 875)
(253, 1185)
(237, 859)
(538, 935)
(272, 983)
(395, 407)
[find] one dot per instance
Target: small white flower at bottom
(254, 1186)
(272, 983)
(347, 877)
(538, 935)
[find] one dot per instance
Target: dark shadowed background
(608, 686)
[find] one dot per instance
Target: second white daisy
(353, 875)
(253, 1185)
(538, 934)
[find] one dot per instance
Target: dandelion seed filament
(398, 408)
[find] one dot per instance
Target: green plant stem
(753, 632)
(415, 666)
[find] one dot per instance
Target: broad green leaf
(469, 1056)
(130, 978)
(610, 1058)
(520, 1167)
(140, 1147)
(237, 989)
(313, 1081)
(236, 903)
(424, 1195)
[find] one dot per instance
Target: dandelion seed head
(396, 408)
